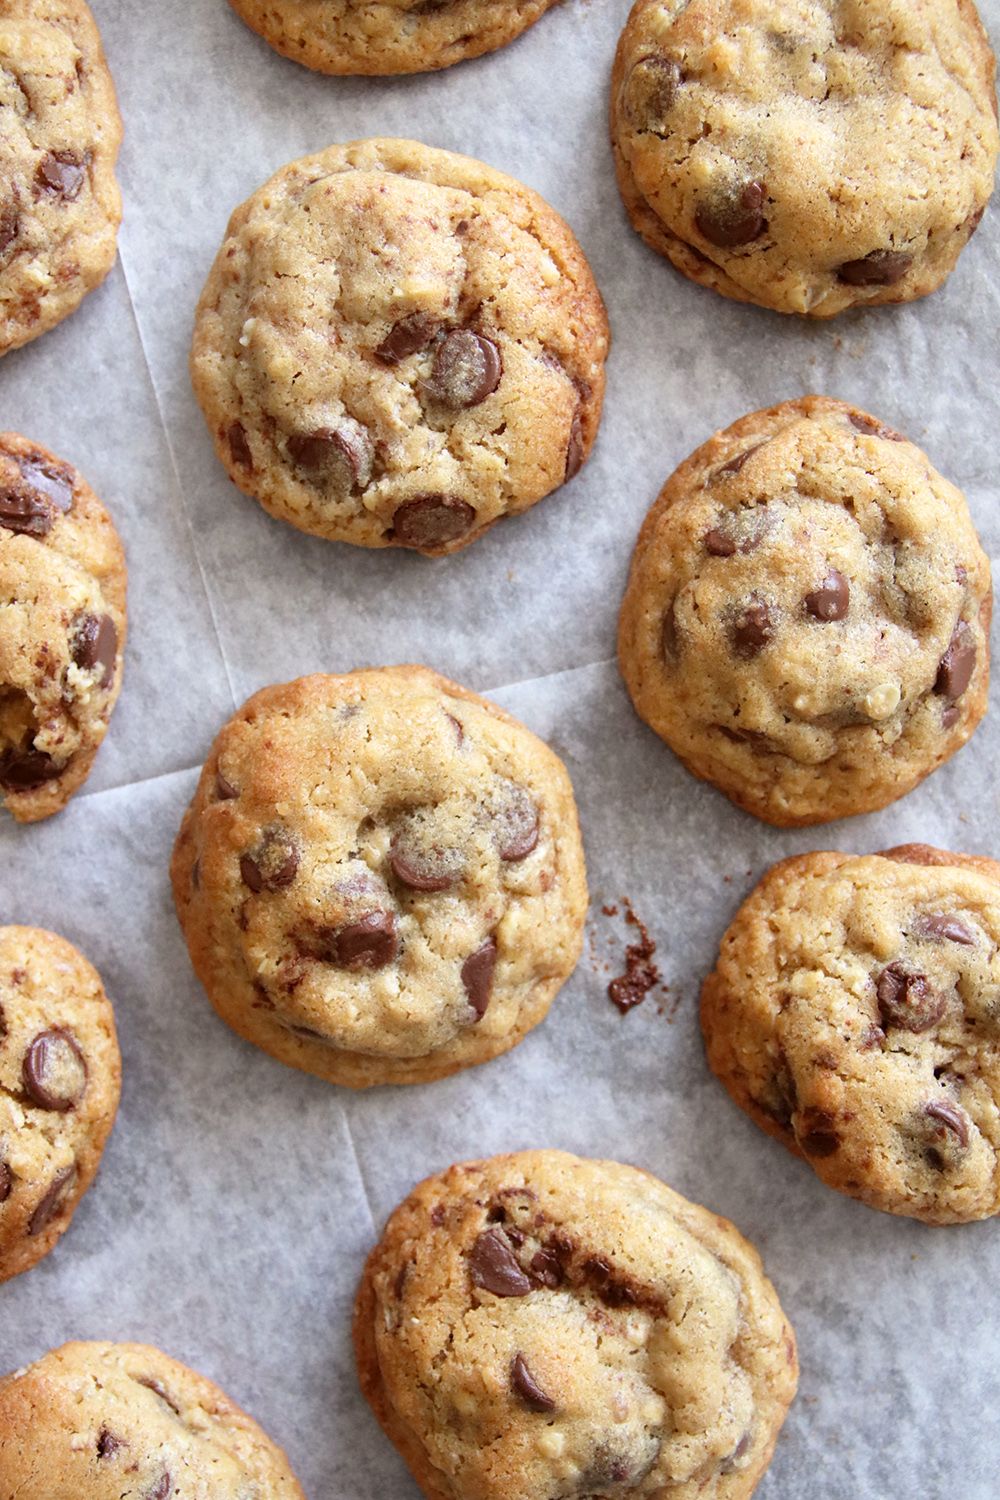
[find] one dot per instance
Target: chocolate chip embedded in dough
(940, 928)
(752, 628)
(957, 664)
(370, 942)
(95, 644)
(906, 999)
(831, 599)
(515, 821)
(951, 1118)
(650, 89)
(25, 769)
(477, 976)
(61, 174)
(239, 445)
(52, 1202)
(432, 521)
(408, 336)
(734, 217)
(273, 862)
(467, 368)
(880, 268)
(526, 1386)
(494, 1267)
(574, 448)
(54, 1070)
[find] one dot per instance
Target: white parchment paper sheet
(238, 1198)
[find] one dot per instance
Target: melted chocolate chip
(734, 465)
(939, 928)
(493, 1267)
(54, 1070)
(526, 1386)
(158, 1389)
(24, 511)
(734, 218)
(272, 864)
(546, 1268)
(467, 368)
(957, 664)
(62, 174)
(752, 628)
(871, 428)
(650, 90)
(6, 1182)
(880, 268)
(432, 521)
(49, 478)
(52, 1202)
(224, 790)
(574, 448)
(951, 1118)
(424, 866)
(477, 976)
(239, 446)
(409, 336)
(347, 448)
(371, 942)
(831, 599)
(515, 822)
(816, 1134)
(25, 769)
(10, 224)
(719, 543)
(95, 644)
(108, 1445)
(906, 1000)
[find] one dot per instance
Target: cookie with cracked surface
(60, 1077)
(387, 36)
(806, 155)
(62, 628)
(854, 1013)
(807, 618)
(380, 877)
(398, 346)
(60, 132)
(101, 1421)
(539, 1325)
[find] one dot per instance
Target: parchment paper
(238, 1198)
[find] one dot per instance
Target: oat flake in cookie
(547, 1328)
(380, 877)
(806, 155)
(60, 1075)
(854, 1013)
(123, 1422)
(59, 137)
(387, 36)
(62, 628)
(807, 618)
(398, 346)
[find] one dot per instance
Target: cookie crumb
(641, 974)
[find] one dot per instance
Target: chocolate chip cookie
(59, 137)
(62, 628)
(807, 619)
(380, 877)
(60, 1075)
(854, 1013)
(387, 36)
(539, 1325)
(398, 346)
(123, 1422)
(806, 155)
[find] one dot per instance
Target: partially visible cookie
(854, 1013)
(60, 1076)
(807, 617)
(538, 1325)
(806, 155)
(387, 36)
(60, 132)
(62, 628)
(380, 877)
(398, 346)
(103, 1421)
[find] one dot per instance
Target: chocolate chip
(738, 1454)
(526, 1386)
(108, 1445)
(493, 1267)
(422, 864)
(272, 864)
(347, 448)
(161, 1489)
(24, 511)
(23, 770)
(939, 928)
(951, 1117)
(831, 599)
(668, 635)
(54, 1070)
(10, 224)
(48, 478)
(62, 173)
(957, 664)
(95, 644)
(239, 447)
(752, 628)
(906, 1000)
(515, 822)
(158, 1389)
(224, 789)
(371, 942)
(880, 268)
(871, 428)
(574, 448)
(733, 218)
(546, 1267)
(741, 531)
(52, 1201)
(6, 1182)
(950, 716)
(467, 368)
(650, 90)
(432, 521)
(719, 544)
(815, 1133)
(477, 976)
(408, 336)
(734, 465)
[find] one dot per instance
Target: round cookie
(101, 1421)
(398, 346)
(60, 132)
(854, 1013)
(380, 877)
(60, 1077)
(807, 618)
(806, 155)
(387, 36)
(540, 1325)
(62, 628)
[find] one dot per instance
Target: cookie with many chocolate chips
(387, 36)
(60, 1076)
(854, 1013)
(380, 877)
(544, 1326)
(59, 137)
(398, 346)
(806, 155)
(807, 618)
(62, 628)
(123, 1422)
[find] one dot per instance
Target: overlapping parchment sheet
(237, 1198)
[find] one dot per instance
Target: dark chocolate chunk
(347, 448)
(880, 268)
(492, 1266)
(62, 174)
(239, 446)
(477, 976)
(95, 644)
(906, 999)
(526, 1386)
(957, 664)
(409, 336)
(24, 770)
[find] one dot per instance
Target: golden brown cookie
(806, 155)
(807, 617)
(380, 877)
(398, 346)
(59, 137)
(538, 1325)
(62, 628)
